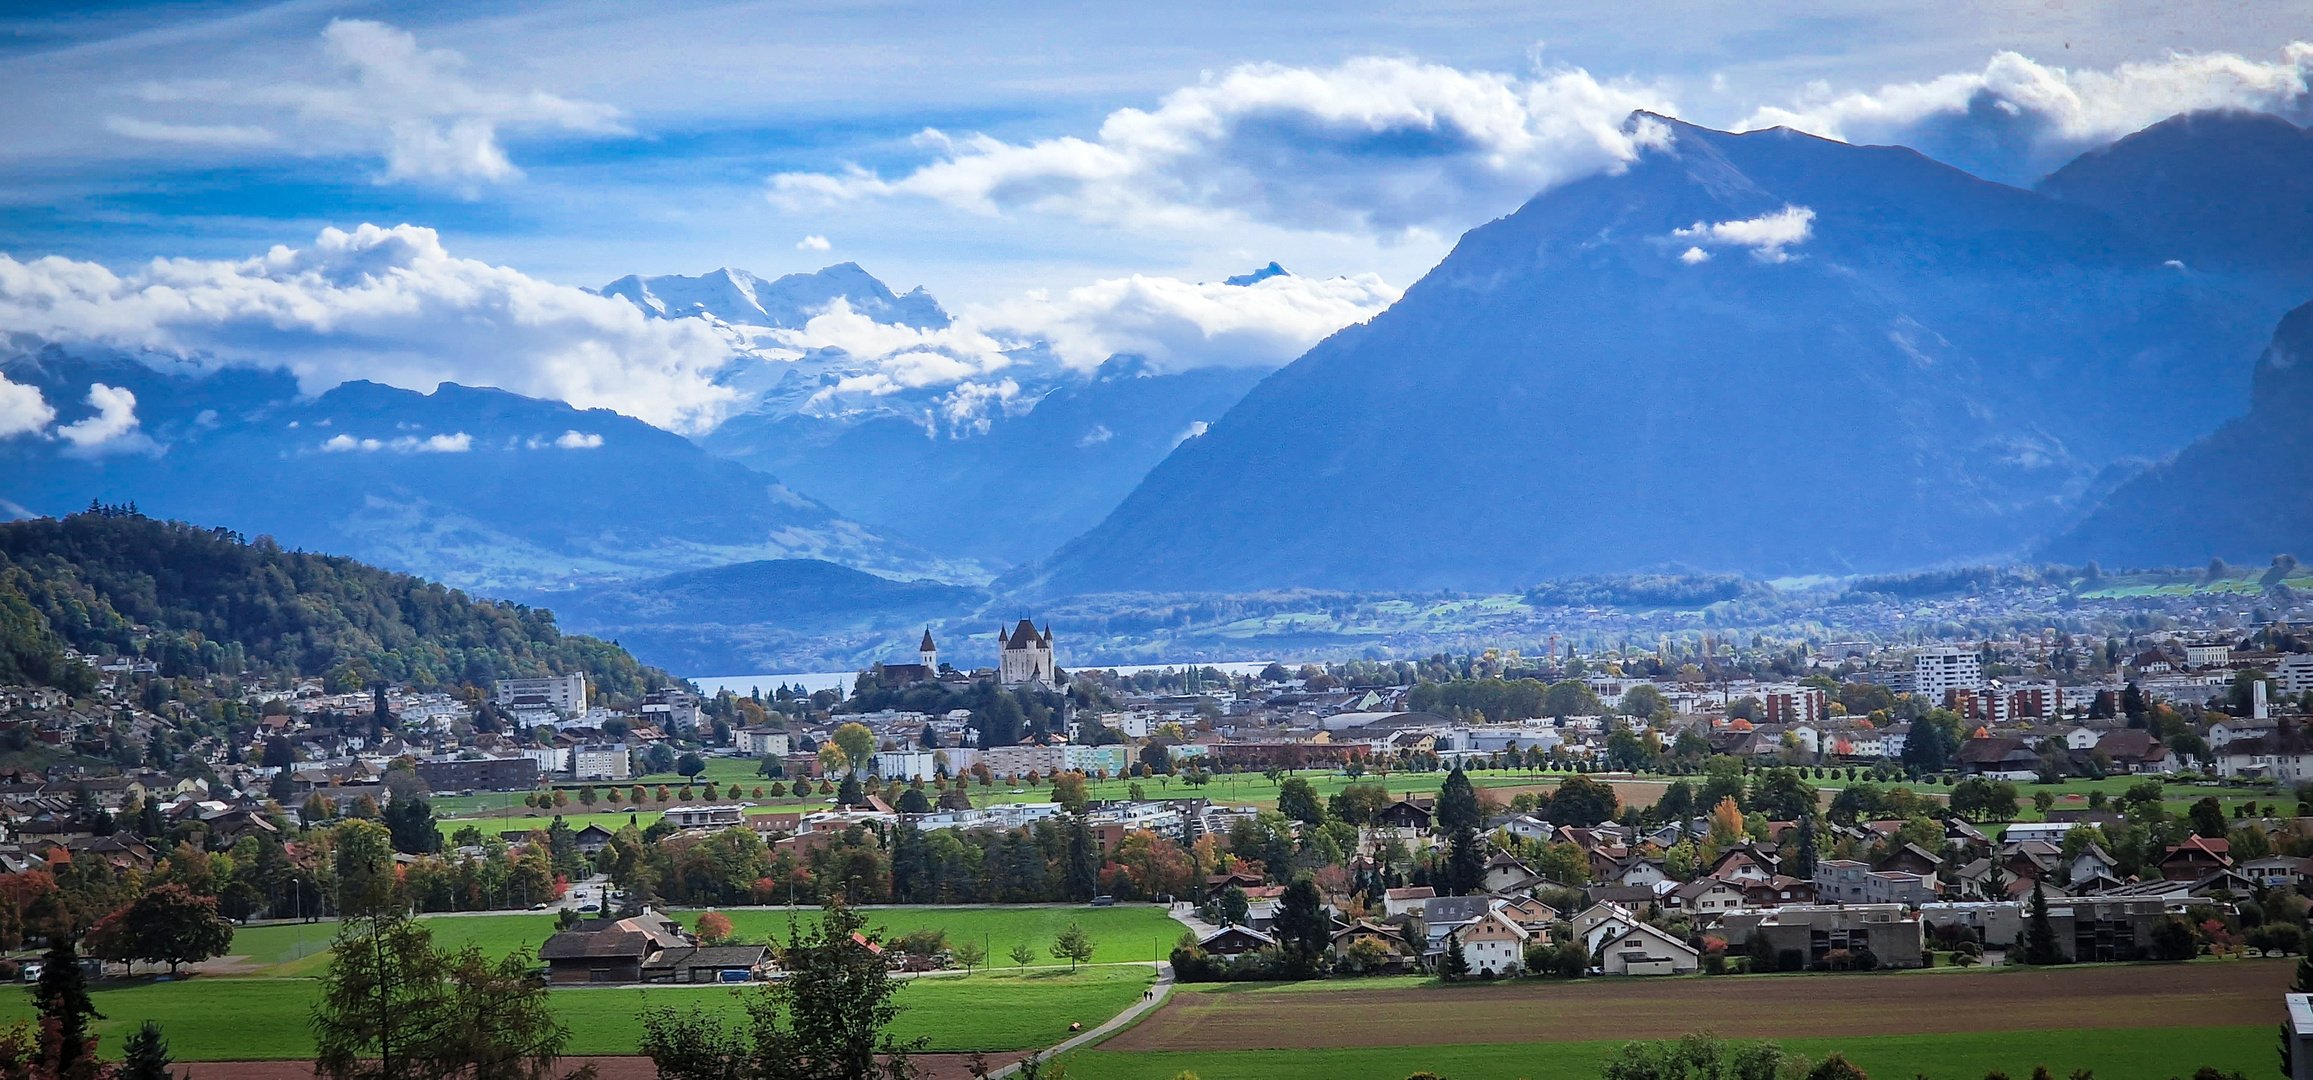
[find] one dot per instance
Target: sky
(1046, 169)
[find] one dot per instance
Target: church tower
(929, 652)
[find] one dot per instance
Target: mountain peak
(788, 302)
(1263, 274)
(2225, 189)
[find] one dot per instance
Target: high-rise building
(1937, 672)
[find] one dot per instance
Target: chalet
(1388, 940)
(706, 964)
(1506, 873)
(610, 951)
(1234, 941)
(2004, 759)
(1709, 894)
(1406, 901)
(1218, 884)
(1408, 813)
(2196, 858)
(2135, 751)
(1909, 859)
(1777, 891)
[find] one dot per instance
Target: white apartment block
(602, 761)
(1937, 672)
(563, 693)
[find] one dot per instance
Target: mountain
(1006, 495)
(1765, 353)
(477, 487)
(738, 297)
(2243, 494)
(771, 615)
(201, 601)
(2224, 190)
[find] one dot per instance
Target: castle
(1024, 656)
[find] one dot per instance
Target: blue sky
(709, 101)
(1008, 157)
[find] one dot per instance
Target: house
(1709, 894)
(592, 839)
(1235, 941)
(2196, 858)
(1530, 913)
(2136, 751)
(1998, 759)
(1491, 945)
(2276, 871)
(1407, 813)
(1840, 881)
(1909, 859)
(1779, 890)
(1640, 949)
(1643, 873)
(1391, 943)
(1396, 902)
(1506, 873)
(1218, 884)
(610, 951)
(706, 817)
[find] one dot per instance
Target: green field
(2133, 1054)
(231, 1019)
(1129, 933)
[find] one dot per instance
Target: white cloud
(578, 440)
(1177, 324)
(1766, 235)
(1195, 429)
(1378, 146)
(812, 243)
(114, 428)
(2017, 119)
(22, 409)
(390, 305)
(457, 443)
(224, 135)
(386, 95)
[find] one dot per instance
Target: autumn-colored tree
(714, 928)
(1726, 823)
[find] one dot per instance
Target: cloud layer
(2017, 119)
(389, 305)
(1381, 146)
(1178, 325)
(384, 94)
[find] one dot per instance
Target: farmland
(240, 1019)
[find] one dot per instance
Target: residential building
(760, 741)
(601, 761)
(480, 774)
(1641, 949)
(1938, 672)
(1492, 945)
(562, 693)
(1889, 932)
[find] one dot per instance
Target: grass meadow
(242, 1019)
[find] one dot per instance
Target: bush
(1790, 960)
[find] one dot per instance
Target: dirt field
(1786, 1007)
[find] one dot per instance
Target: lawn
(220, 1019)
(290, 949)
(1127, 933)
(2131, 1054)
(1122, 934)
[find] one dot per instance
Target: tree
(690, 764)
(499, 1025)
(1582, 802)
(2040, 935)
(714, 928)
(1836, 1067)
(173, 925)
(1071, 792)
(1457, 803)
(971, 954)
(2208, 817)
(1302, 923)
(1022, 954)
(857, 741)
(829, 1020)
(1783, 796)
(1236, 907)
(1297, 800)
(384, 999)
(1696, 1057)
(65, 1009)
(1073, 945)
(1802, 859)
(410, 822)
(145, 1056)
(365, 868)
(1978, 799)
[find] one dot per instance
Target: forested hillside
(200, 601)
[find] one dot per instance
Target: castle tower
(929, 652)
(1024, 655)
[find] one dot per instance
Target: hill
(2243, 494)
(207, 601)
(1767, 354)
(477, 487)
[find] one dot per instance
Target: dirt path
(1801, 1006)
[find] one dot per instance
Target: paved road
(1155, 997)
